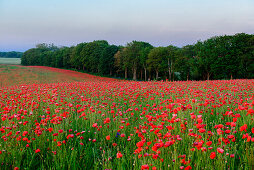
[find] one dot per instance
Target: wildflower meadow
(59, 119)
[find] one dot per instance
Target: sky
(25, 23)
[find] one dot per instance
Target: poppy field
(59, 119)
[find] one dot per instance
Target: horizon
(159, 23)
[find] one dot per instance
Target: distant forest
(219, 57)
(12, 54)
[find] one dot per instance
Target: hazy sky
(25, 23)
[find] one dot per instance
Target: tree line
(219, 57)
(11, 54)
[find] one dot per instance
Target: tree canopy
(12, 54)
(219, 57)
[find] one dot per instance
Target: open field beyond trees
(16, 61)
(59, 119)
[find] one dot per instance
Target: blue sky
(25, 23)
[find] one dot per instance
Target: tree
(185, 62)
(76, 58)
(206, 56)
(172, 51)
(91, 54)
(143, 58)
(155, 60)
(243, 47)
(66, 56)
(219, 57)
(106, 63)
(134, 51)
(122, 62)
(11, 54)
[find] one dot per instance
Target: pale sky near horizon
(25, 23)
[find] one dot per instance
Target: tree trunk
(157, 74)
(125, 73)
(208, 76)
(145, 74)
(171, 70)
(169, 74)
(134, 73)
(110, 72)
(141, 74)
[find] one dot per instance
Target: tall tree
(155, 60)
(184, 62)
(143, 58)
(106, 62)
(134, 53)
(172, 51)
(122, 62)
(91, 55)
(76, 58)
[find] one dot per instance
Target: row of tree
(220, 57)
(11, 54)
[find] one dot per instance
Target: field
(60, 119)
(15, 61)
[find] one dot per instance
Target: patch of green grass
(15, 61)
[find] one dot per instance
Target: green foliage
(135, 53)
(156, 58)
(12, 54)
(91, 55)
(106, 62)
(185, 62)
(220, 57)
(225, 57)
(43, 54)
(75, 57)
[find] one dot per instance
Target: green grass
(15, 61)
